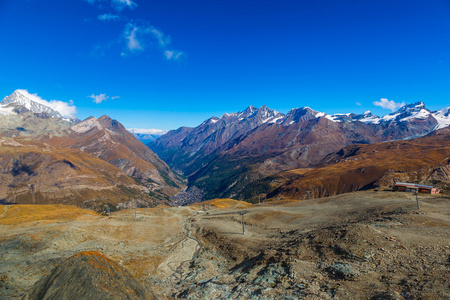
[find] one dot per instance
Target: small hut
(415, 188)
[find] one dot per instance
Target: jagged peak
(55, 108)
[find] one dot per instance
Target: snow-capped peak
(442, 117)
(56, 109)
(408, 112)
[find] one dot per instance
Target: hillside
(108, 140)
(361, 245)
(27, 115)
(37, 173)
(358, 167)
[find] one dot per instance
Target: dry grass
(18, 214)
(222, 203)
(401, 160)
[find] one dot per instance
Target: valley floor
(362, 245)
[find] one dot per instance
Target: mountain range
(223, 155)
(236, 155)
(48, 157)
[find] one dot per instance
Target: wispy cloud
(139, 36)
(119, 5)
(388, 104)
(163, 40)
(102, 97)
(108, 17)
(173, 54)
(130, 33)
(66, 109)
(358, 103)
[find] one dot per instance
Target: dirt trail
(181, 254)
(6, 209)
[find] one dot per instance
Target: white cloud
(66, 109)
(122, 4)
(163, 40)
(130, 34)
(173, 54)
(359, 104)
(108, 17)
(147, 131)
(388, 104)
(99, 98)
(139, 36)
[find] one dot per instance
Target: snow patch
(6, 110)
(422, 114)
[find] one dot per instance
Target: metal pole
(109, 212)
(417, 200)
(243, 225)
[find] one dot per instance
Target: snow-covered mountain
(54, 108)
(251, 115)
(147, 135)
(442, 117)
(408, 113)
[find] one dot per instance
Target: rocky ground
(363, 245)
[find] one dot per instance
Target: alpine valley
(227, 156)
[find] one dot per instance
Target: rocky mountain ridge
(239, 148)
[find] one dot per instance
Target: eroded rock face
(441, 173)
(88, 275)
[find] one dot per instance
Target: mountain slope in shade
(423, 160)
(108, 140)
(37, 173)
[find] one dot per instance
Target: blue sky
(171, 63)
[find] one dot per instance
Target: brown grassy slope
(222, 203)
(111, 142)
(365, 166)
(37, 173)
(19, 214)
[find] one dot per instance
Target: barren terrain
(362, 245)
